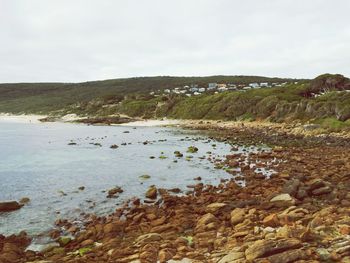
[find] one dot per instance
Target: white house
(254, 85)
(196, 93)
(221, 89)
(167, 91)
(201, 90)
(264, 84)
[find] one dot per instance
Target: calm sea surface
(37, 162)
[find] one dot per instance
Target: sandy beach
(5, 117)
(150, 123)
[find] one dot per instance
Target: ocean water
(37, 162)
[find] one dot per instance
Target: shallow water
(37, 162)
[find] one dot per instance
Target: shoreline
(302, 208)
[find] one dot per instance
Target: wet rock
(263, 248)
(9, 206)
(114, 146)
(151, 192)
(178, 154)
(24, 200)
(112, 192)
(81, 188)
(192, 149)
(145, 176)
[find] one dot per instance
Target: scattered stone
(24, 200)
(112, 192)
(145, 176)
(192, 149)
(151, 192)
(9, 206)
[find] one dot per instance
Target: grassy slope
(46, 97)
(281, 104)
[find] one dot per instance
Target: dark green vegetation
(324, 100)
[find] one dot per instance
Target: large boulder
(8, 206)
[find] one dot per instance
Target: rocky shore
(298, 214)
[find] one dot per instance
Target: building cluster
(195, 89)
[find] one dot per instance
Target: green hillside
(48, 97)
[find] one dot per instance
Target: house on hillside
(232, 87)
(212, 86)
(264, 84)
(201, 90)
(222, 89)
(167, 91)
(254, 85)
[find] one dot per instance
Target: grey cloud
(79, 40)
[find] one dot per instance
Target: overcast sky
(80, 40)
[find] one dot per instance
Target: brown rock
(87, 243)
(287, 256)
(147, 238)
(113, 227)
(271, 220)
(151, 192)
(237, 216)
(206, 220)
(215, 207)
(282, 200)
(165, 255)
(9, 206)
(263, 248)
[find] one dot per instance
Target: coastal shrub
(332, 124)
